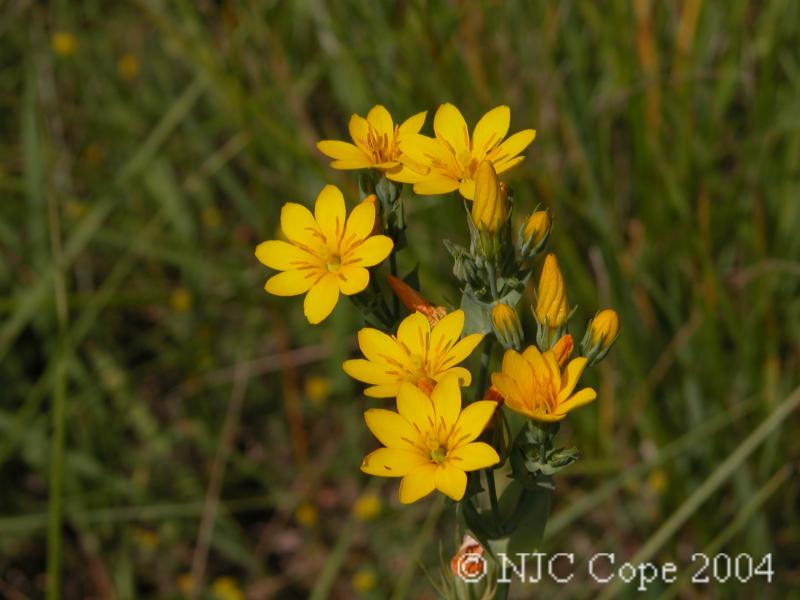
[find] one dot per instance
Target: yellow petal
(490, 131)
(569, 379)
(340, 150)
(472, 422)
(446, 332)
(391, 430)
(351, 164)
(511, 147)
(370, 252)
(506, 165)
(519, 369)
(467, 188)
(329, 212)
(414, 123)
(446, 398)
(418, 483)
(421, 149)
(321, 299)
(435, 186)
(450, 126)
(451, 482)
(389, 390)
(359, 225)
(415, 407)
(291, 283)
(537, 362)
(368, 372)
(359, 128)
(392, 462)
(405, 174)
(552, 366)
(414, 332)
(381, 120)
(463, 375)
(509, 389)
(584, 396)
(473, 456)
(352, 280)
(462, 350)
(298, 224)
(277, 254)
(380, 348)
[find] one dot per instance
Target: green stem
(396, 300)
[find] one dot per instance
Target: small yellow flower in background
(604, 328)
(63, 43)
(227, 588)
(367, 507)
(506, 325)
(327, 252)
(418, 354)
(532, 384)
(562, 349)
(306, 514)
(430, 441)
(145, 538)
(490, 205)
(364, 580)
(453, 157)
(211, 217)
(534, 231)
(317, 389)
(551, 299)
(181, 300)
(128, 66)
(377, 144)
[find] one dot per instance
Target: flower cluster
(451, 422)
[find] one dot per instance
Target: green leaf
(529, 533)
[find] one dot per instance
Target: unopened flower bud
(506, 325)
(416, 302)
(601, 334)
(490, 205)
(534, 233)
(552, 309)
(562, 349)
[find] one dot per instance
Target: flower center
(382, 148)
(437, 453)
(333, 263)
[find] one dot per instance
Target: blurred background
(211, 440)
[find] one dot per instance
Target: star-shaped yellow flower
(327, 252)
(377, 144)
(453, 157)
(430, 441)
(532, 384)
(418, 354)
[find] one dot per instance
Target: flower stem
(396, 300)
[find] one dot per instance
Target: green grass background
(668, 151)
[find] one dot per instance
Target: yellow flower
(364, 580)
(490, 206)
(532, 384)
(63, 43)
(128, 66)
(181, 300)
(430, 441)
(318, 388)
(325, 254)
(306, 514)
(453, 157)
(506, 325)
(604, 328)
(227, 588)
(418, 354)
(551, 300)
(563, 348)
(367, 507)
(377, 144)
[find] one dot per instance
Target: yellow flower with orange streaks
(327, 253)
(533, 384)
(377, 143)
(418, 354)
(453, 156)
(430, 441)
